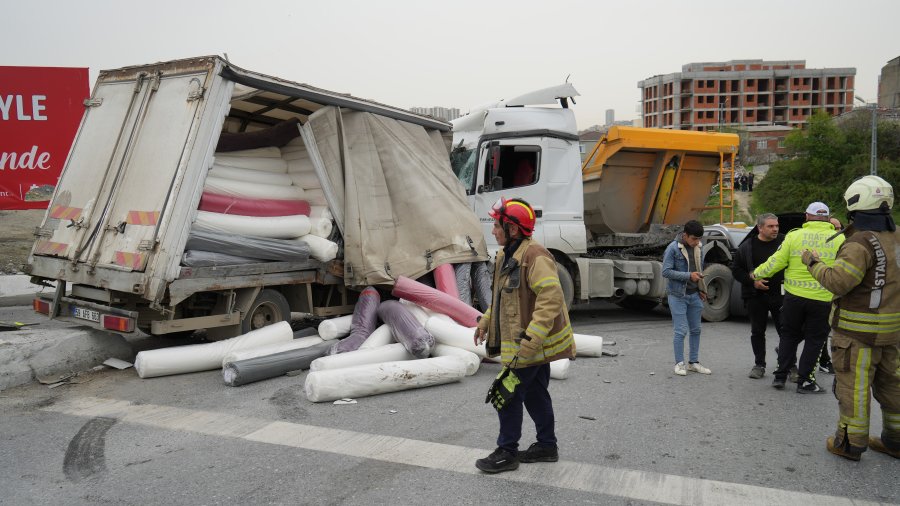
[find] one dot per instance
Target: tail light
(41, 306)
(120, 323)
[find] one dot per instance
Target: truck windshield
(462, 161)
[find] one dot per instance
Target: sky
(458, 53)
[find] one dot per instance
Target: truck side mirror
(496, 183)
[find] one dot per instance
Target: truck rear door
(124, 165)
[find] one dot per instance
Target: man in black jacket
(762, 296)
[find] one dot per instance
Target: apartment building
(444, 113)
(740, 93)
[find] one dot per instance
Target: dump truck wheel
(268, 308)
(568, 286)
(718, 279)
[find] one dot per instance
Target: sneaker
(826, 368)
(848, 453)
(498, 461)
(877, 444)
(698, 367)
(779, 383)
(794, 375)
(757, 372)
(680, 370)
(809, 387)
(538, 453)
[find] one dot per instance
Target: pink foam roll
(445, 280)
(226, 204)
(436, 300)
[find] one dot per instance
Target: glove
(528, 346)
(809, 257)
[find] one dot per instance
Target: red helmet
(515, 211)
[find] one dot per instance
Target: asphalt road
(631, 432)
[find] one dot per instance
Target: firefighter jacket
(865, 280)
(528, 299)
(813, 235)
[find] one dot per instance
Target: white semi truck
(607, 221)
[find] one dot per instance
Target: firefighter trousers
(860, 372)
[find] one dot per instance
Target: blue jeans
(686, 315)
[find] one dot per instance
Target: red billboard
(40, 110)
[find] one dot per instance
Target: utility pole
(873, 158)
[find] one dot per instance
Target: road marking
(631, 484)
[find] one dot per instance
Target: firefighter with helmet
(528, 325)
(865, 320)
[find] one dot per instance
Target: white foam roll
(295, 143)
(559, 369)
(250, 190)
(335, 327)
(253, 176)
(205, 357)
(321, 249)
(272, 227)
(321, 227)
(454, 334)
(423, 313)
(293, 155)
(262, 351)
(382, 336)
(387, 353)
(315, 197)
(300, 165)
(472, 360)
(259, 164)
(266, 152)
(588, 346)
(305, 180)
(320, 212)
(372, 379)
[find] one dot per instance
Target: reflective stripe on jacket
(529, 299)
(865, 279)
(797, 280)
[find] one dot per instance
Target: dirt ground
(16, 239)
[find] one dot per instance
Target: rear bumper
(66, 310)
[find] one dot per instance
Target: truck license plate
(86, 314)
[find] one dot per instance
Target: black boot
(498, 461)
(538, 453)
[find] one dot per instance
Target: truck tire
(568, 286)
(268, 308)
(718, 279)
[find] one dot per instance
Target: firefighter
(865, 319)
(528, 326)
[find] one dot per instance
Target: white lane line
(639, 485)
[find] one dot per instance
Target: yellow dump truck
(607, 221)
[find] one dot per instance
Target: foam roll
(228, 204)
(409, 332)
(482, 280)
(388, 353)
(299, 163)
(365, 380)
(445, 280)
(363, 323)
(454, 334)
(320, 248)
(273, 227)
(416, 310)
(559, 369)
(321, 226)
(305, 180)
(315, 196)
(471, 360)
(436, 301)
(249, 175)
(205, 357)
(271, 366)
(335, 328)
(266, 152)
(295, 344)
(381, 337)
(249, 190)
(257, 164)
(464, 281)
(320, 212)
(588, 346)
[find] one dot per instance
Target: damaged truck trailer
(200, 195)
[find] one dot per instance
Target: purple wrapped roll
(406, 329)
(365, 317)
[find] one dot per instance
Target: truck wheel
(568, 286)
(718, 280)
(268, 308)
